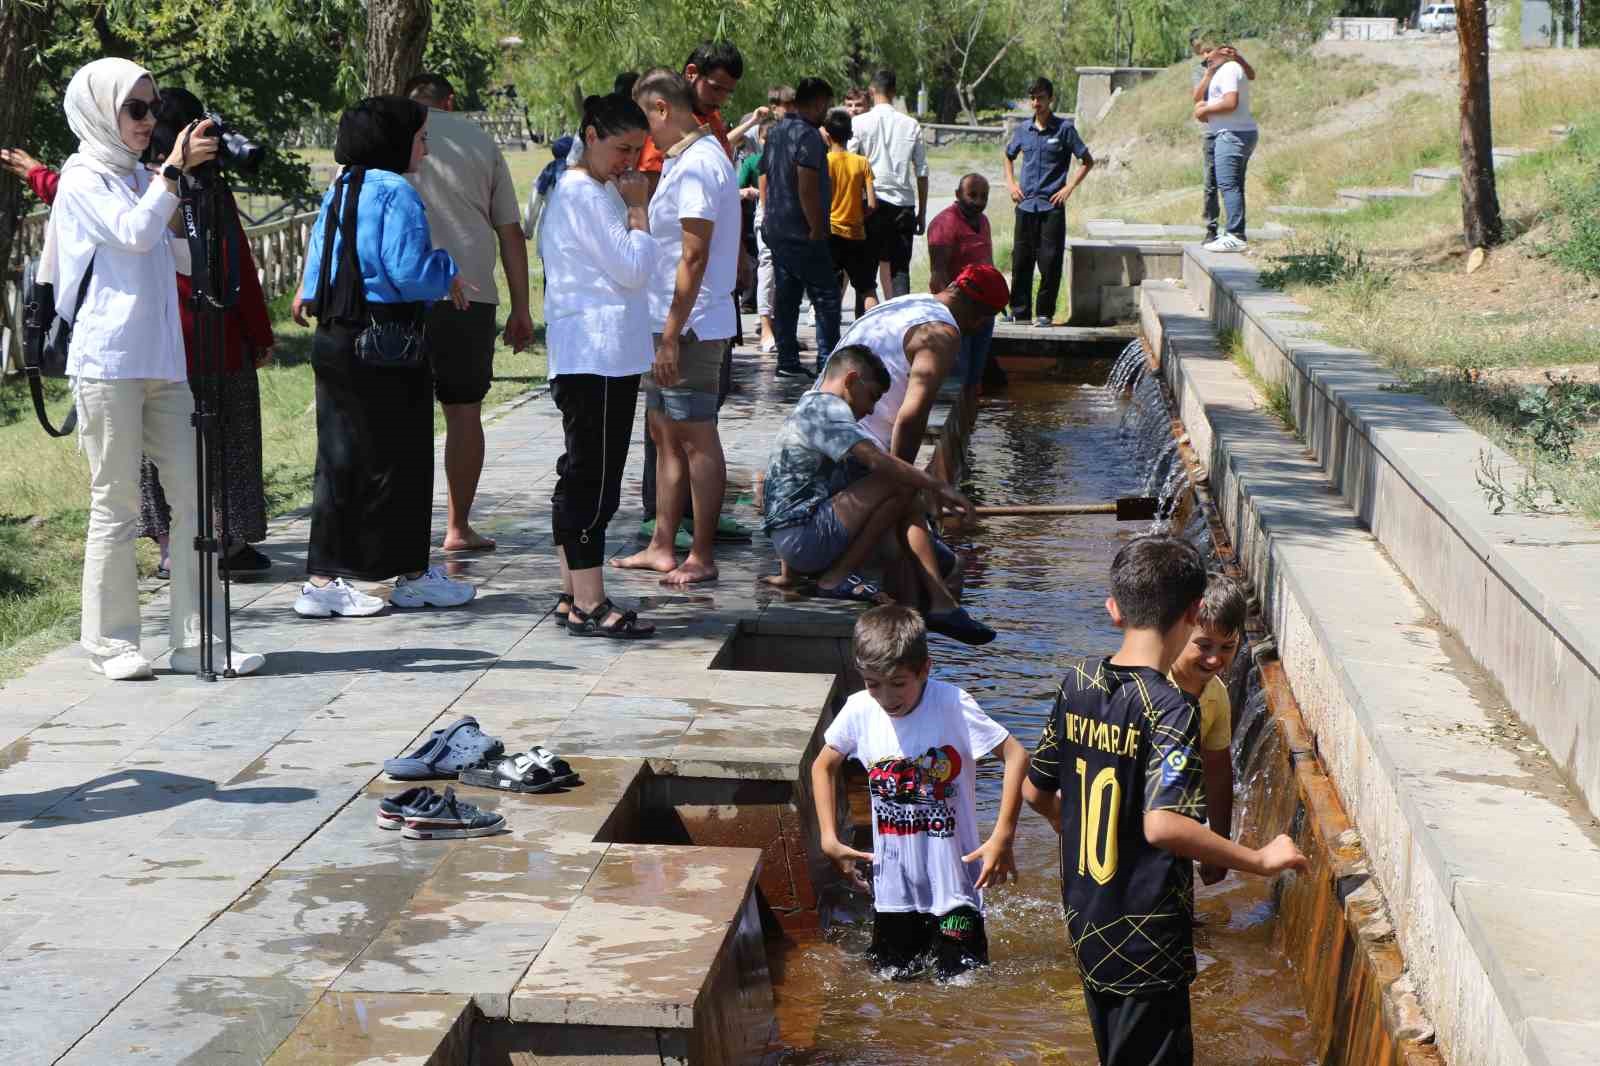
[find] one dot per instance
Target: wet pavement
(191, 872)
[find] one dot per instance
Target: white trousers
(118, 421)
(766, 279)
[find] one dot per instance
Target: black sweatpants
(1041, 237)
(597, 419)
(1145, 1030)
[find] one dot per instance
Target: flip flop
(514, 773)
(853, 589)
(446, 753)
(561, 771)
(959, 625)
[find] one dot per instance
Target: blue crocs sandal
(959, 625)
(853, 589)
(447, 818)
(392, 810)
(447, 752)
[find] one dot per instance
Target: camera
(234, 150)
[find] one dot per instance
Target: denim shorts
(695, 398)
(813, 545)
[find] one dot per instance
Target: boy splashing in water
(1118, 772)
(920, 741)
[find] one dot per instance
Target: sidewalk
(190, 871)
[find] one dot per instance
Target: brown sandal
(591, 624)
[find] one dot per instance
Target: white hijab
(94, 97)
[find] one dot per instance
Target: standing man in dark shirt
(1118, 772)
(796, 198)
(1047, 145)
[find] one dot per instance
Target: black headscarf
(376, 134)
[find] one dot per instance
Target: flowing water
(1041, 582)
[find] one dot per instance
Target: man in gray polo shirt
(472, 205)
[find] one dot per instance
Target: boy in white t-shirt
(1223, 105)
(920, 741)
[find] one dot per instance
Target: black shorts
(1144, 1030)
(856, 261)
(906, 945)
(460, 345)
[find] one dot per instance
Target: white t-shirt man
(921, 773)
(697, 182)
(892, 143)
(1230, 78)
(883, 329)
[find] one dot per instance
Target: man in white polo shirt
(892, 143)
(472, 206)
(695, 219)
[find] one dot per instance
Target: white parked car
(1438, 18)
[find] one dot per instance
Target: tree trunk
(397, 34)
(22, 29)
(1480, 206)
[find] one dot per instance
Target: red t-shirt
(968, 246)
(651, 158)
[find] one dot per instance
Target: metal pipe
(1127, 509)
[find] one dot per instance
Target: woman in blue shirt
(372, 502)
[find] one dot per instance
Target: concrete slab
(362, 1027)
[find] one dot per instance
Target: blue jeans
(1233, 158)
(1210, 209)
(803, 266)
(975, 354)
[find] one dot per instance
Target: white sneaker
(336, 597)
(1225, 243)
(187, 660)
(124, 666)
(432, 589)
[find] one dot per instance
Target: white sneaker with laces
(124, 666)
(187, 660)
(432, 589)
(1225, 243)
(336, 597)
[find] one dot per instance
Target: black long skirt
(372, 501)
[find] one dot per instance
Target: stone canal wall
(1388, 583)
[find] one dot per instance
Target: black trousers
(597, 419)
(1041, 238)
(892, 233)
(1146, 1030)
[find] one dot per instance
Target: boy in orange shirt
(853, 200)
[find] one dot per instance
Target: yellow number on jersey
(1098, 805)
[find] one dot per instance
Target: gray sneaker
(447, 818)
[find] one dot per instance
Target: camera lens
(240, 152)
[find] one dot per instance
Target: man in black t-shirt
(1118, 772)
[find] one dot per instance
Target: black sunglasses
(138, 110)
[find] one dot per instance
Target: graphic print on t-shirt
(916, 795)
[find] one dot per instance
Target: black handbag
(46, 339)
(387, 338)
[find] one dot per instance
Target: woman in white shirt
(111, 223)
(598, 256)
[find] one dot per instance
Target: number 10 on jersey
(1098, 805)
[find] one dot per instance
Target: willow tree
(23, 24)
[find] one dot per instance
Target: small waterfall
(1129, 367)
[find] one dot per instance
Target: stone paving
(191, 872)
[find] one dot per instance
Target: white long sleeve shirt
(129, 325)
(892, 143)
(597, 273)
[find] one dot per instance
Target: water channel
(1041, 582)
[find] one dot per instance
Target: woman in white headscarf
(109, 234)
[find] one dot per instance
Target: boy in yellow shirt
(1198, 672)
(853, 200)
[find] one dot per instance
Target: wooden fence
(279, 249)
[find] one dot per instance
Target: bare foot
(692, 572)
(661, 560)
(786, 581)
(470, 541)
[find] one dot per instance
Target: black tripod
(209, 223)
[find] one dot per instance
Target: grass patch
(1274, 394)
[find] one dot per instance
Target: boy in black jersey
(1118, 772)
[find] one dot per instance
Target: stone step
(398, 1030)
(1117, 229)
(1372, 195)
(1306, 210)
(1429, 180)
(666, 940)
